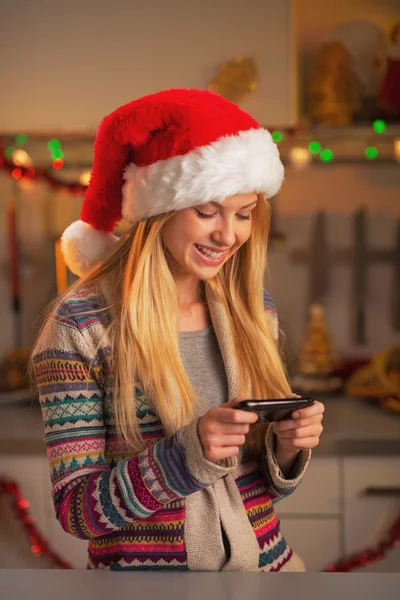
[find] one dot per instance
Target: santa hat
(168, 151)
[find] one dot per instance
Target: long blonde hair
(143, 330)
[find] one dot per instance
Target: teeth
(210, 253)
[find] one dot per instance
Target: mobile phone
(275, 409)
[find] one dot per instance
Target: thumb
(233, 402)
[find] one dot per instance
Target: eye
(203, 215)
(207, 216)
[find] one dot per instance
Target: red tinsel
(39, 546)
(369, 555)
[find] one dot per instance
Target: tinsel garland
(20, 506)
(369, 555)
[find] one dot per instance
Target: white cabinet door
(316, 541)
(371, 506)
(318, 493)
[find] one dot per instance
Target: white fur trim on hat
(83, 246)
(236, 164)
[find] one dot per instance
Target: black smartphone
(275, 409)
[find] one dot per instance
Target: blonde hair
(144, 331)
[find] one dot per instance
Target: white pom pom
(83, 246)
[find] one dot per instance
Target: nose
(224, 233)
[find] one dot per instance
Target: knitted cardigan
(162, 508)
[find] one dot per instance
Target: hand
(223, 430)
(303, 430)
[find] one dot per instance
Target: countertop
(62, 585)
(351, 427)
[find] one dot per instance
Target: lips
(207, 260)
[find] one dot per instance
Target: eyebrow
(218, 204)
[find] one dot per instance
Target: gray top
(51, 584)
(203, 363)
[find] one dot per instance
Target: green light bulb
(21, 139)
(54, 145)
(277, 136)
(57, 153)
(314, 147)
(379, 125)
(326, 155)
(371, 152)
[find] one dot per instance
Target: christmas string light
(20, 505)
(25, 172)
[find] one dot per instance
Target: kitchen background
(324, 78)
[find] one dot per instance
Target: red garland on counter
(369, 555)
(20, 505)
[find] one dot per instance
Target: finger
(231, 440)
(217, 441)
(230, 415)
(296, 423)
(233, 402)
(232, 428)
(315, 409)
(221, 453)
(299, 443)
(314, 429)
(306, 443)
(303, 432)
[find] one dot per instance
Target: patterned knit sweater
(162, 508)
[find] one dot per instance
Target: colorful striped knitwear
(145, 512)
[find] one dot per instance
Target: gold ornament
(334, 89)
(236, 79)
(379, 379)
(317, 359)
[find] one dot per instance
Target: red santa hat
(168, 151)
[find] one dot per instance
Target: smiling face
(200, 239)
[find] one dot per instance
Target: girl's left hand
(303, 430)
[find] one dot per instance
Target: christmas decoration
(370, 555)
(41, 175)
(39, 546)
(334, 89)
(317, 359)
(379, 380)
(389, 96)
(236, 79)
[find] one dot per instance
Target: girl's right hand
(222, 430)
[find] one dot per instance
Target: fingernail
(296, 415)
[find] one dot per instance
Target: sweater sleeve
(92, 499)
(279, 485)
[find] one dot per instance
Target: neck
(189, 291)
